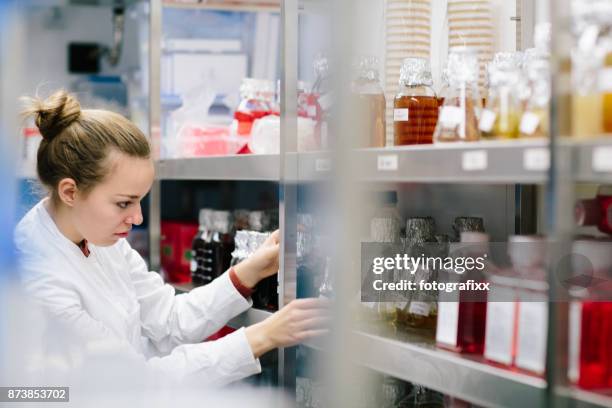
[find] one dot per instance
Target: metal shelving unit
(405, 356)
(416, 359)
(238, 167)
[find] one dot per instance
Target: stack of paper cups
(470, 24)
(408, 34)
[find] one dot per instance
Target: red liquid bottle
(590, 323)
(462, 320)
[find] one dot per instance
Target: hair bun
(54, 114)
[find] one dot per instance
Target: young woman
(77, 264)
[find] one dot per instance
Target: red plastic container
(176, 238)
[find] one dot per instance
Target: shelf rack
(512, 162)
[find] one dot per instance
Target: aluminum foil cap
(463, 65)
(415, 71)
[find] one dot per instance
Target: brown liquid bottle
(370, 104)
(415, 108)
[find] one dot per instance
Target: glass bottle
(590, 317)
(253, 104)
(467, 224)
(596, 211)
(266, 292)
(462, 316)
(535, 119)
(385, 228)
(241, 242)
(415, 108)
(370, 103)
(421, 311)
(458, 119)
(587, 100)
(500, 119)
(201, 250)
(605, 75)
(222, 243)
(322, 99)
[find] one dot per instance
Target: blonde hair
(76, 143)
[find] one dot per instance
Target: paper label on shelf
(575, 323)
(605, 79)
(193, 265)
(536, 159)
(499, 334)
(400, 115)
(487, 119)
(419, 308)
(602, 159)
(532, 329)
(451, 116)
(322, 165)
(529, 123)
(448, 322)
(387, 162)
(474, 160)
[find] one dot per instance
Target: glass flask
(415, 108)
(535, 119)
(458, 119)
(370, 103)
(201, 250)
(500, 119)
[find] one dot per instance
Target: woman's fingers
(314, 323)
(309, 334)
(312, 303)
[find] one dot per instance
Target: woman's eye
(123, 205)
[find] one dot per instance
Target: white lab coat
(111, 296)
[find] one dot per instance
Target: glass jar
(415, 108)
(535, 119)
(255, 103)
(370, 103)
(421, 310)
(500, 119)
(467, 224)
(201, 250)
(458, 119)
(587, 100)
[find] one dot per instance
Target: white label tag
(400, 115)
(193, 265)
(419, 308)
(448, 323)
(602, 159)
(451, 116)
(605, 80)
(532, 329)
(536, 159)
(322, 165)
(529, 123)
(575, 324)
(487, 120)
(474, 160)
(388, 162)
(499, 334)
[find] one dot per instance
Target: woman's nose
(135, 218)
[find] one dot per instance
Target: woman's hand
(260, 265)
(300, 320)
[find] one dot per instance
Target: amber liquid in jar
(607, 96)
(371, 110)
(415, 119)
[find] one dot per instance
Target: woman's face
(108, 212)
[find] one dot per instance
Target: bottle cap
(415, 71)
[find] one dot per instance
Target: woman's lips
(122, 234)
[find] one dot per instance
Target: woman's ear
(67, 191)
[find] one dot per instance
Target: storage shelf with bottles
(416, 359)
